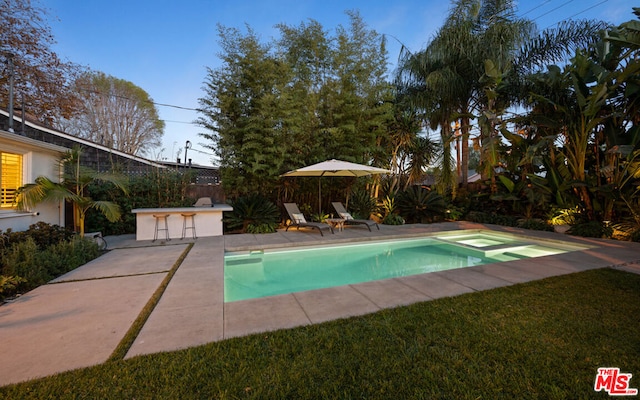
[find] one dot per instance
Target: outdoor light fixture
(187, 146)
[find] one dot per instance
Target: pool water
(257, 274)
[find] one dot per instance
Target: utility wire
(587, 9)
(535, 8)
(180, 122)
(552, 10)
(128, 98)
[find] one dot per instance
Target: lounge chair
(298, 220)
(349, 220)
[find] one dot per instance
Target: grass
(127, 341)
(543, 339)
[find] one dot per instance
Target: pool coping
(78, 320)
(510, 240)
(320, 305)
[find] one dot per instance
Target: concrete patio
(79, 319)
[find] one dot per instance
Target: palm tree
(73, 188)
(436, 83)
(449, 78)
(407, 153)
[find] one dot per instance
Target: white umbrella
(335, 168)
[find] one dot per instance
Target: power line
(552, 10)
(180, 122)
(587, 9)
(128, 98)
(173, 106)
(560, 6)
(535, 8)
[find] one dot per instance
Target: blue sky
(165, 46)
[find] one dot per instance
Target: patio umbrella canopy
(335, 168)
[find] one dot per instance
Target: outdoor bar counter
(207, 220)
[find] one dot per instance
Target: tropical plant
(454, 212)
(73, 188)
(253, 214)
(419, 205)
(361, 204)
(534, 224)
(409, 151)
(593, 229)
(475, 65)
(594, 102)
(524, 197)
(389, 212)
(564, 216)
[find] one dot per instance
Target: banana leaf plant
(73, 189)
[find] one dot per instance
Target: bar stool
(188, 217)
(161, 217)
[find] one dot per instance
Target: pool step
(491, 251)
(244, 261)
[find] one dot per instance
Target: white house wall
(37, 160)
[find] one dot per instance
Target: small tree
(73, 188)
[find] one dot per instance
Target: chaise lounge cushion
(298, 218)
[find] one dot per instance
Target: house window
(10, 178)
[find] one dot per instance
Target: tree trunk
(465, 151)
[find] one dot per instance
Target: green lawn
(544, 339)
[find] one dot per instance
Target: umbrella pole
(320, 197)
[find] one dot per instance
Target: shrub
(390, 215)
(8, 285)
(270, 227)
(362, 205)
(319, 217)
(254, 210)
(393, 219)
(419, 205)
(157, 189)
(487, 218)
(29, 267)
(46, 235)
(593, 229)
(41, 233)
(20, 259)
(535, 224)
(454, 213)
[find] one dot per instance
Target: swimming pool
(254, 274)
